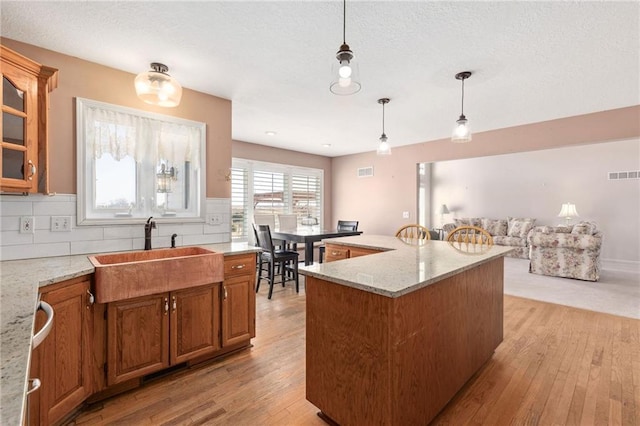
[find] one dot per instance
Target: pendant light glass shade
(462, 131)
(383, 148)
(345, 80)
(156, 87)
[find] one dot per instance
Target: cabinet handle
(166, 305)
(225, 292)
(32, 169)
(35, 385)
(44, 331)
(174, 303)
(91, 300)
(335, 253)
(238, 266)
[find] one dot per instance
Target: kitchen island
(392, 336)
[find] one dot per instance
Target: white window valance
(118, 133)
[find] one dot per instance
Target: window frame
(86, 214)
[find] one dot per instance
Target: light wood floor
(556, 366)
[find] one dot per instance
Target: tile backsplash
(95, 238)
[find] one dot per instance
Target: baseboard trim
(620, 265)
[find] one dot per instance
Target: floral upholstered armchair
(566, 251)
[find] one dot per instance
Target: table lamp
(568, 211)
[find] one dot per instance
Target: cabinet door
(195, 322)
(137, 337)
(19, 146)
(238, 309)
(66, 357)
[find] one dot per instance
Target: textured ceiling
(532, 61)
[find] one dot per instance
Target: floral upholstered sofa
(566, 251)
(511, 232)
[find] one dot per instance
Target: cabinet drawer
(335, 252)
(239, 265)
(358, 251)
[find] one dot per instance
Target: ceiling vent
(365, 171)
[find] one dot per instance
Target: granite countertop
(20, 281)
(400, 268)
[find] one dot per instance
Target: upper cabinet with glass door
(25, 89)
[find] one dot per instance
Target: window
(133, 164)
(266, 188)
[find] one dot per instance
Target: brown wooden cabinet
(95, 351)
(137, 337)
(195, 322)
(23, 149)
(239, 299)
(150, 333)
(336, 251)
(359, 251)
(63, 360)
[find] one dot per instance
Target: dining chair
(274, 257)
(413, 234)
(347, 225)
(470, 239)
(262, 264)
(268, 219)
(343, 225)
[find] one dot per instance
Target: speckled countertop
(401, 268)
(19, 284)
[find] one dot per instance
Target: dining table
(309, 236)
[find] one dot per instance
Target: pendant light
(383, 147)
(461, 131)
(156, 87)
(345, 79)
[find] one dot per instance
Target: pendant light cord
(462, 110)
(383, 118)
(344, 22)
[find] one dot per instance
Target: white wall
(535, 184)
(94, 239)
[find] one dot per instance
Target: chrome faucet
(147, 233)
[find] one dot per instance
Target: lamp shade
(461, 131)
(444, 209)
(568, 211)
(156, 87)
(346, 79)
(383, 147)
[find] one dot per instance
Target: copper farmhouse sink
(130, 274)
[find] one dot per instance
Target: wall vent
(365, 171)
(633, 174)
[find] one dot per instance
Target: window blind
(267, 188)
(305, 193)
(239, 203)
(270, 192)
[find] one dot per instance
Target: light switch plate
(60, 223)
